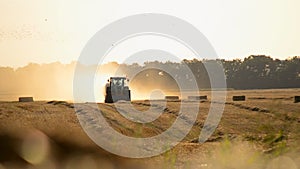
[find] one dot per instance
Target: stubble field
(261, 132)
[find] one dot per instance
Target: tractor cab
(118, 82)
(117, 89)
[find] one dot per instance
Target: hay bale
(239, 98)
(197, 97)
(25, 99)
(172, 98)
(296, 99)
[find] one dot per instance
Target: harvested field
(258, 131)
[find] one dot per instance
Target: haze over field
(55, 80)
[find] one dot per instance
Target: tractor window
(118, 82)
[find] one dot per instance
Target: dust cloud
(43, 82)
(153, 84)
(54, 81)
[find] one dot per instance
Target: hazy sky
(44, 31)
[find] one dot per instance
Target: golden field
(261, 132)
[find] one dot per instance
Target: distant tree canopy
(254, 72)
(262, 72)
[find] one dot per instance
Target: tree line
(254, 72)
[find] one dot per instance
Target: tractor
(117, 89)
